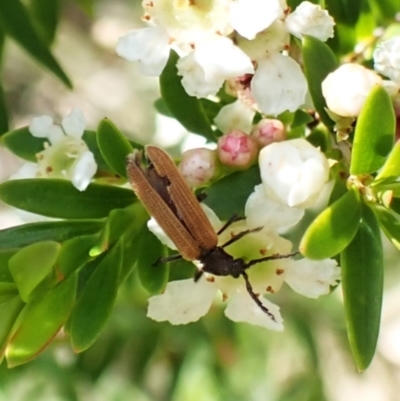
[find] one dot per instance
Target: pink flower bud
(268, 131)
(237, 150)
(198, 166)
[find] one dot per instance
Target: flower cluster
(294, 175)
(65, 155)
(223, 40)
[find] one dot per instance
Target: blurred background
(136, 358)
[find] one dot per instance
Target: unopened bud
(198, 166)
(237, 150)
(268, 131)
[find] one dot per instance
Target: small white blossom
(387, 58)
(293, 172)
(249, 17)
(278, 85)
(310, 19)
(235, 116)
(346, 89)
(66, 155)
(213, 61)
(312, 278)
(149, 46)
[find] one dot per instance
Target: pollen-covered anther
(224, 297)
(263, 251)
(49, 169)
(210, 279)
(279, 271)
(270, 289)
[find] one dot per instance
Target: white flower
(177, 25)
(278, 84)
(346, 89)
(66, 155)
(387, 58)
(249, 17)
(213, 60)
(310, 19)
(186, 301)
(293, 172)
(149, 46)
(235, 116)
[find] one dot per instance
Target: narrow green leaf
(3, 111)
(8, 291)
(5, 256)
(23, 144)
(389, 224)
(59, 198)
(9, 311)
(391, 168)
(45, 17)
(31, 265)
(362, 284)
(319, 61)
(96, 302)
(74, 253)
(333, 229)
(186, 109)
(374, 133)
(152, 277)
(59, 231)
(39, 322)
(228, 196)
(15, 21)
(113, 146)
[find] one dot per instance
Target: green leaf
(74, 253)
(344, 11)
(3, 109)
(319, 61)
(86, 5)
(90, 138)
(59, 231)
(15, 21)
(152, 277)
(5, 256)
(374, 133)
(45, 15)
(9, 311)
(229, 195)
(59, 198)
(333, 229)
(39, 322)
(162, 108)
(389, 224)
(23, 144)
(96, 302)
(8, 291)
(113, 146)
(33, 264)
(186, 109)
(391, 168)
(362, 284)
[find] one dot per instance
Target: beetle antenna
(255, 297)
(167, 259)
(230, 221)
(271, 257)
(240, 235)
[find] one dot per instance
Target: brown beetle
(166, 196)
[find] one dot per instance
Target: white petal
(55, 134)
(249, 17)
(154, 227)
(312, 278)
(84, 170)
(261, 210)
(149, 46)
(39, 126)
(74, 123)
(183, 301)
(236, 115)
(241, 308)
(212, 62)
(27, 170)
(278, 85)
(310, 19)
